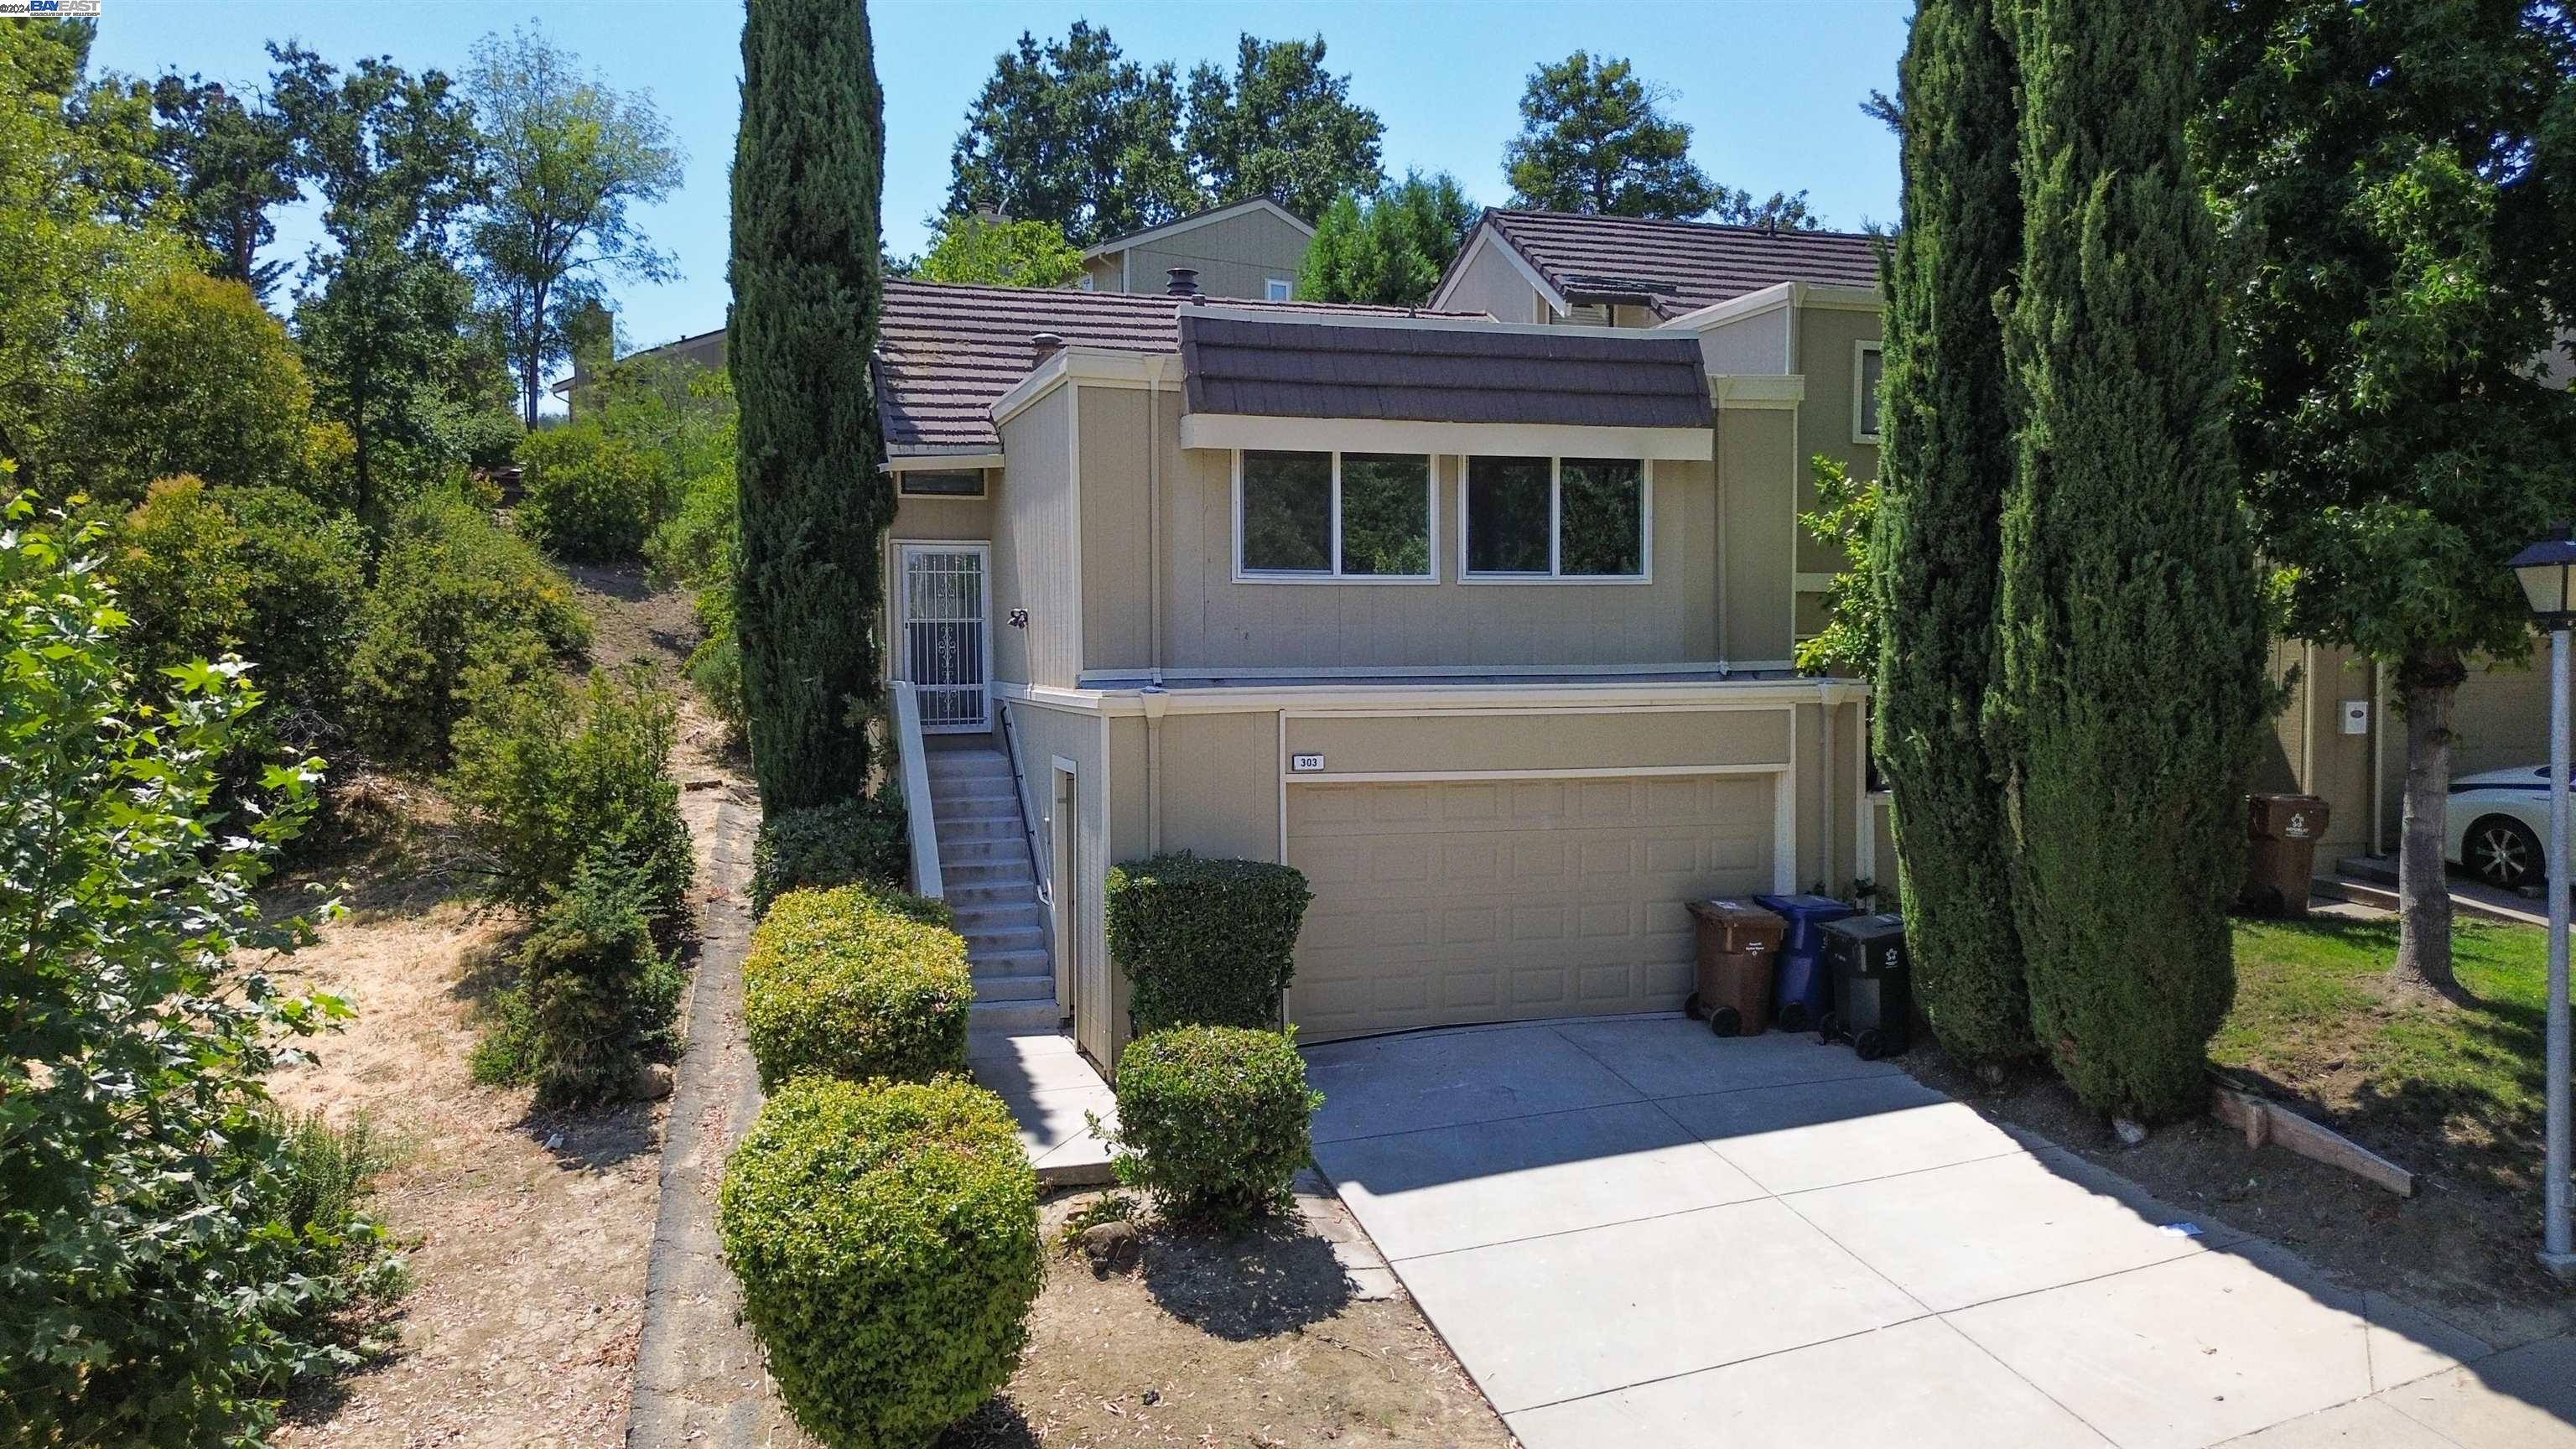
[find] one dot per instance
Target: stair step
(1013, 1016)
(998, 807)
(1014, 916)
(1029, 962)
(975, 832)
(1016, 938)
(982, 852)
(956, 764)
(1014, 988)
(985, 893)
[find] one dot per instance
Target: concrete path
(1634, 1233)
(1053, 1090)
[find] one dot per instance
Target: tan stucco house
(1249, 249)
(1480, 615)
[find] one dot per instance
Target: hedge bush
(588, 495)
(854, 983)
(886, 1239)
(549, 776)
(1212, 1120)
(453, 590)
(1205, 942)
(856, 842)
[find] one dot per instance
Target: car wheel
(2504, 853)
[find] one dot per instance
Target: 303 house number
(1305, 764)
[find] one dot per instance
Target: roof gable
(1192, 222)
(1672, 267)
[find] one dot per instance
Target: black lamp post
(2547, 571)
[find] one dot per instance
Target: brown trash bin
(1738, 941)
(2284, 830)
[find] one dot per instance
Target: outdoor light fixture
(2546, 570)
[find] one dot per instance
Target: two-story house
(1250, 249)
(1485, 625)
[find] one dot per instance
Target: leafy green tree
(230, 163)
(1843, 519)
(809, 167)
(151, 1293)
(980, 249)
(186, 373)
(1390, 249)
(2132, 691)
(1934, 550)
(2397, 182)
(567, 155)
(383, 317)
(1283, 127)
(1075, 133)
(69, 249)
(1593, 140)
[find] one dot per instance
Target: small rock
(553, 1141)
(652, 1082)
(1111, 1245)
(1153, 1397)
(2131, 1134)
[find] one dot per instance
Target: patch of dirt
(1252, 1341)
(2460, 1248)
(527, 1234)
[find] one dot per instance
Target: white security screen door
(947, 635)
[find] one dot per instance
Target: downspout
(2378, 756)
(1825, 707)
(1155, 700)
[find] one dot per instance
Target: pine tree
(2132, 636)
(808, 168)
(1941, 481)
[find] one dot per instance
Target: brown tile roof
(946, 353)
(1677, 266)
(1311, 368)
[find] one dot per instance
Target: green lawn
(2317, 1012)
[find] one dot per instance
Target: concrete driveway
(1634, 1233)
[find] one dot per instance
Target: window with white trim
(1332, 515)
(941, 482)
(1555, 518)
(1277, 289)
(1868, 368)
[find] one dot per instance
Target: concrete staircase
(985, 874)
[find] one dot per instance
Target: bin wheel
(1869, 1046)
(1828, 1027)
(1726, 1021)
(1792, 1017)
(1693, 1009)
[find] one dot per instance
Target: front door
(946, 635)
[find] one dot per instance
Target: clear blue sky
(1772, 87)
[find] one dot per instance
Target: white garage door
(1440, 904)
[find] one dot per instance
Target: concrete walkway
(1052, 1089)
(1634, 1233)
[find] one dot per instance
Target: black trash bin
(1873, 989)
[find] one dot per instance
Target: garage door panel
(1443, 903)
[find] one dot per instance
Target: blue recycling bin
(1801, 989)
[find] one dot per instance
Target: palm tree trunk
(2428, 682)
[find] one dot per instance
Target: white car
(2498, 819)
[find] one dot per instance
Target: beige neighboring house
(1250, 249)
(705, 350)
(1484, 625)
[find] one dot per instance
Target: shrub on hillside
(595, 1001)
(588, 495)
(886, 1239)
(854, 983)
(1213, 1121)
(550, 777)
(260, 572)
(856, 842)
(1205, 942)
(453, 590)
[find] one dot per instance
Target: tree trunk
(2427, 684)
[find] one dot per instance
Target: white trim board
(1489, 235)
(1388, 435)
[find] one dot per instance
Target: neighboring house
(706, 350)
(1484, 626)
(1251, 249)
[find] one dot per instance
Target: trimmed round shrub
(851, 842)
(854, 983)
(1204, 942)
(886, 1238)
(1212, 1120)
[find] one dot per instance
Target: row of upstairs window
(1302, 517)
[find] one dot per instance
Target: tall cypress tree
(808, 166)
(2132, 635)
(1941, 480)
